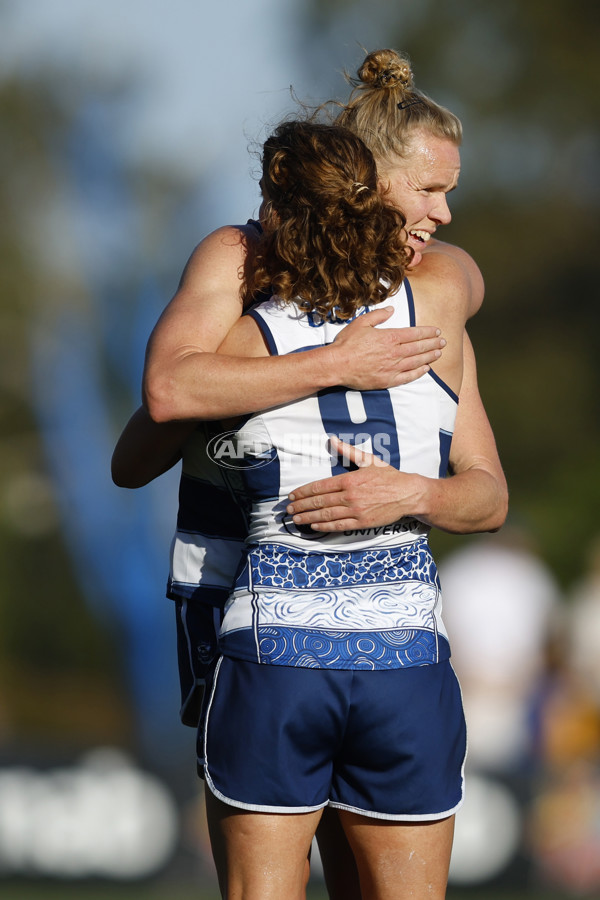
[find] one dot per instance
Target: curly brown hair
(330, 243)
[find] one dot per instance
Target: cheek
(413, 210)
(409, 202)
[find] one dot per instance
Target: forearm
(201, 385)
(186, 378)
(146, 449)
(472, 501)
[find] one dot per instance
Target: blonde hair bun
(386, 69)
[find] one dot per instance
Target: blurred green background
(108, 181)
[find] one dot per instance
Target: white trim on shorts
(291, 810)
(287, 810)
(428, 817)
(182, 613)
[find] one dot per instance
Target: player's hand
(375, 494)
(370, 358)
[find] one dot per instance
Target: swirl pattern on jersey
(378, 609)
(283, 568)
(348, 650)
(407, 606)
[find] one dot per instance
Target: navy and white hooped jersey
(360, 599)
(206, 552)
(212, 525)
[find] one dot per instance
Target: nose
(441, 211)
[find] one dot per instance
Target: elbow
(123, 478)
(124, 481)
(119, 480)
(159, 400)
(126, 469)
(500, 513)
(166, 401)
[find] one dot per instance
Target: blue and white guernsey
(365, 599)
(211, 525)
(206, 553)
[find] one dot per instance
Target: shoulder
(220, 251)
(457, 268)
(209, 298)
(245, 338)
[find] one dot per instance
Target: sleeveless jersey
(206, 551)
(361, 599)
(211, 525)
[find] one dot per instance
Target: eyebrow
(441, 187)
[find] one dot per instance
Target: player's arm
(185, 378)
(473, 498)
(146, 449)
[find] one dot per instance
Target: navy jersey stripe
(410, 302)
(265, 331)
(209, 509)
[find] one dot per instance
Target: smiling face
(418, 185)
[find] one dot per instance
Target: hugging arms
(187, 380)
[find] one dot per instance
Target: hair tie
(359, 186)
(407, 103)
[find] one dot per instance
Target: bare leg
(398, 861)
(339, 867)
(260, 856)
(217, 844)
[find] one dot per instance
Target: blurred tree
(59, 678)
(81, 556)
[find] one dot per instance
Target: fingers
(413, 344)
(335, 492)
(322, 513)
(372, 318)
(318, 500)
(335, 524)
(413, 357)
(408, 376)
(372, 358)
(349, 453)
(415, 333)
(325, 514)
(317, 488)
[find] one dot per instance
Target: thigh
(339, 867)
(260, 856)
(398, 860)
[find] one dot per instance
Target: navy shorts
(389, 744)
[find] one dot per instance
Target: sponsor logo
(303, 531)
(244, 450)
(233, 450)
